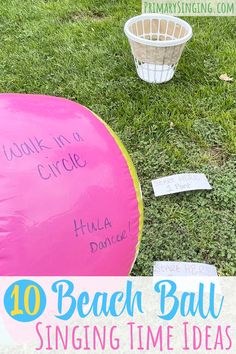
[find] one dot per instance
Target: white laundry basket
(157, 42)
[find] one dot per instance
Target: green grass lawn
(77, 49)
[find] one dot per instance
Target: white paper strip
(180, 183)
(187, 275)
(183, 269)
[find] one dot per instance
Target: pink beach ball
(70, 200)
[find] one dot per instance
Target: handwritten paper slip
(180, 183)
(188, 275)
(187, 269)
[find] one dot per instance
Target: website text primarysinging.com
(191, 7)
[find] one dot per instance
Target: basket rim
(157, 43)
